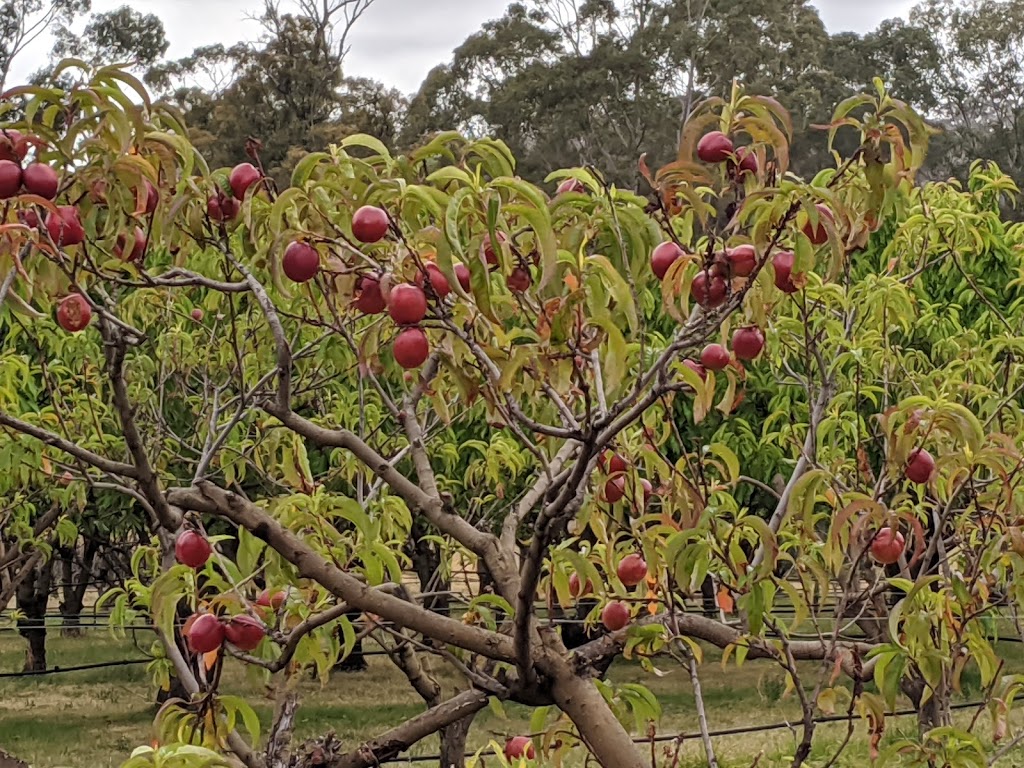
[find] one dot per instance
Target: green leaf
(617, 287)
(369, 142)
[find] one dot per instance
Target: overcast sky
(397, 41)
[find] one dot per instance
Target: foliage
(277, 420)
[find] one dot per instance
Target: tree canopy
(574, 390)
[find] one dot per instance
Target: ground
(95, 718)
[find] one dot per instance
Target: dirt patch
(10, 761)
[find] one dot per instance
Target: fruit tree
(289, 382)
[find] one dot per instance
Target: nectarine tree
(429, 341)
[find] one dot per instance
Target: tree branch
(206, 497)
(721, 635)
(391, 744)
(145, 476)
(72, 449)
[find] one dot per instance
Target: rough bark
(426, 560)
(398, 740)
(74, 585)
(32, 597)
(453, 742)
(601, 732)
(933, 713)
(708, 599)
(209, 498)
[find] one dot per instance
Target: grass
(96, 717)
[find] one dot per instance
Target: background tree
(287, 91)
(122, 35)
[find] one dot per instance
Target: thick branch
(391, 744)
(55, 441)
(431, 507)
(145, 476)
(721, 636)
(533, 496)
(207, 497)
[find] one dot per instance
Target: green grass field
(94, 718)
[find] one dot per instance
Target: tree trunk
(600, 730)
(709, 600)
(176, 691)
(73, 588)
(32, 596)
(933, 713)
(426, 560)
(453, 743)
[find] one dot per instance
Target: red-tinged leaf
(645, 171)
(725, 601)
(766, 132)
(29, 199)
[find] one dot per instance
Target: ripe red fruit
(715, 357)
(370, 300)
(152, 196)
(742, 259)
(10, 179)
(205, 633)
(411, 348)
(138, 246)
(29, 218)
(74, 313)
(615, 489)
(571, 185)
(664, 256)
(632, 570)
(746, 160)
(696, 368)
(192, 549)
(887, 546)
(519, 281)
(64, 226)
(463, 274)
(197, 315)
(407, 304)
(708, 290)
(612, 463)
(920, 466)
(578, 590)
(438, 281)
(42, 180)
(714, 147)
(615, 616)
(819, 234)
(747, 343)
(782, 263)
(267, 600)
(519, 747)
(244, 632)
(490, 255)
(243, 176)
(13, 146)
(369, 224)
(301, 262)
(220, 207)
